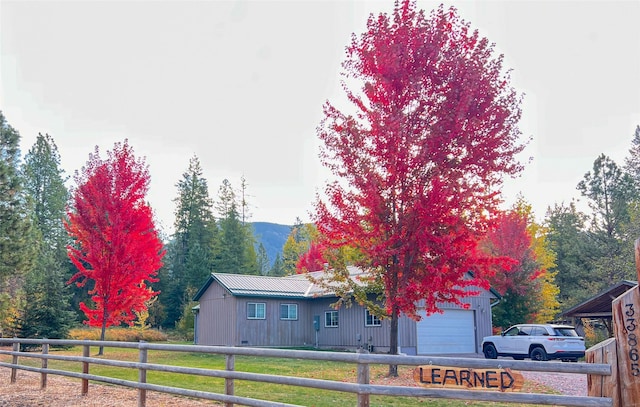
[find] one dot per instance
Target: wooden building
(597, 308)
(246, 310)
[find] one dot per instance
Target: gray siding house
(291, 311)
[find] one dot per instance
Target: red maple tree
(313, 259)
(510, 238)
(115, 242)
(420, 161)
(517, 280)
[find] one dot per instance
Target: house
(598, 307)
(291, 311)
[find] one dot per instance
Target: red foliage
(312, 260)
(422, 158)
(510, 238)
(116, 244)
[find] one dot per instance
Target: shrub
(118, 334)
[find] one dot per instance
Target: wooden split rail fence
(361, 386)
(613, 368)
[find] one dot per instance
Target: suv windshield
(565, 332)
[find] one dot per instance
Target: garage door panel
(451, 332)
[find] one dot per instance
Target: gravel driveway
(570, 384)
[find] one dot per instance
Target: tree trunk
(393, 342)
(103, 331)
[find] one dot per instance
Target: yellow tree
(545, 257)
(298, 243)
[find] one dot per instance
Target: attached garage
(450, 332)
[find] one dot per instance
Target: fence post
(85, 369)
(142, 375)
(363, 378)
(626, 329)
(228, 383)
(14, 360)
(604, 386)
(45, 364)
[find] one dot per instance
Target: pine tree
(609, 192)
(15, 225)
(263, 260)
(195, 227)
(47, 310)
(236, 252)
(16, 233)
(632, 162)
(191, 252)
(277, 269)
(573, 249)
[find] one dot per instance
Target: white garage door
(451, 332)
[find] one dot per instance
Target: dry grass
(65, 392)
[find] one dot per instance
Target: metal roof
(242, 284)
(599, 306)
(294, 286)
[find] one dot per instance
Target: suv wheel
(490, 351)
(538, 353)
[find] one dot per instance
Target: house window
(331, 319)
(256, 310)
(370, 319)
(289, 311)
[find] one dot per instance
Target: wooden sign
(626, 328)
(470, 379)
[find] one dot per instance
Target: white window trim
(374, 319)
(325, 319)
(289, 307)
(256, 304)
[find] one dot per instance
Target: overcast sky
(241, 85)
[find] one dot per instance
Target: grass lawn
(280, 393)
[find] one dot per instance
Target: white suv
(538, 342)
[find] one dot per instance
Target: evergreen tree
(44, 182)
(263, 260)
(609, 192)
(277, 269)
(16, 234)
(47, 310)
(569, 240)
(191, 252)
(236, 251)
(15, 225)
(632, 162)
(195, 228)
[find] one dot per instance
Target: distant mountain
(272, 236)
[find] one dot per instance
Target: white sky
(241, 85)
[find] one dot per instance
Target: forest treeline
(37, 297)
(559, 261)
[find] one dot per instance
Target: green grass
(280, 393)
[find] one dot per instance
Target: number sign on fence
(626, 326)
(622, 351)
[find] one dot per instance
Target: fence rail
(362, 387)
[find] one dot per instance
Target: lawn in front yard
(280, 393)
